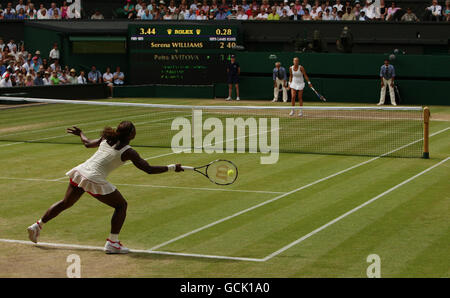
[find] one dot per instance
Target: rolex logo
(198, 31)
(169, 31)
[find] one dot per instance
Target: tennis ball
(230, 173)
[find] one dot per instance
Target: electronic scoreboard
(181, 54)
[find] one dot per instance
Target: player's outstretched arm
(143, 165)
(86, 142)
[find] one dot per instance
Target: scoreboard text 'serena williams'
(187, 54)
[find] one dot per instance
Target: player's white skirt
(92, 187)
(296, 86)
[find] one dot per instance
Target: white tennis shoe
(33, 232)
(274, 100)
(115, 247)
(291, 113)
(237, 98)
(228, 98)
(300, 113)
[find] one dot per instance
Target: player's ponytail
(110, 135)
(122, 133)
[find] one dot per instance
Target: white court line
(30, 179)
(60, 179)
(153, 186)
(10, 144)
(286, 194)
(168, 253)
(281, 250)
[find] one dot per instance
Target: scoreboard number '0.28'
(224, 32)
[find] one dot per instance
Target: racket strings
(222, 172)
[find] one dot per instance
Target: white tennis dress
(91, 175)
(298, 83)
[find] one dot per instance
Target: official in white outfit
(279, 78)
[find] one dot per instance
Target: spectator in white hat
(72, 77)
(287, 7)
(38, 55)
(46, 79)
(42, 14)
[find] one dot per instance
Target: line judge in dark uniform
(233, 72)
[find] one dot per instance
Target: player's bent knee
(122, 206)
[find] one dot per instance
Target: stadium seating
(111, 8)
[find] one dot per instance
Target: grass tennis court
(253, 228)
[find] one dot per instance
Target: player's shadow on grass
(50, 248)
(135, 255)
(150, 256)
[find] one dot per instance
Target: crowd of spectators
(306, 10)
(325, 10)
(20, 68)
(27, 10)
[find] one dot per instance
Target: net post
(426, 131)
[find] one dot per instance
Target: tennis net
(365, 131)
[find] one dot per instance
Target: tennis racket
(221, 172)
(398, 98)
(321, 97)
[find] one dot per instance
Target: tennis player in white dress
(113, 151)
(297, 76)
